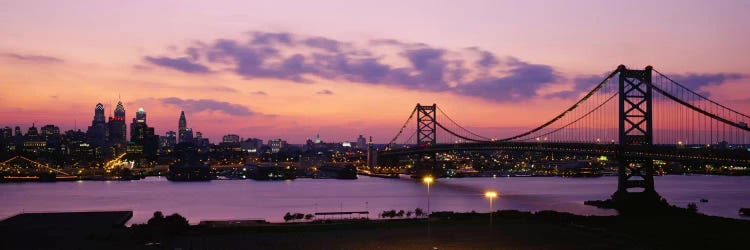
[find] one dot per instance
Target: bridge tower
(635, 130)
(426, 137)
(426, 125)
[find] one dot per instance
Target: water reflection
(248, 199)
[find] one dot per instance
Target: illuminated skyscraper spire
(119, 112)
(117, 129)
(99, 113)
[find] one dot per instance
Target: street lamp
(491, 195)
(428, 180)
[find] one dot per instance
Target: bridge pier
(635, 188)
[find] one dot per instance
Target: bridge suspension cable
(699, 110)
(576, 120)
(458, 135)
(483, 139)
(701, 96)
(401, 131)
(564, 113)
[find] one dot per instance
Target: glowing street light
(491, 195)
(428, 180)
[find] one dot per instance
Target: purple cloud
(208, 105)
(324, 92)
(259, 93)
(220, 89)
(33, 58)
(323, 43)
(521, 83)
(695, 82)
(470, 72)
(266, 38)
(183, 64)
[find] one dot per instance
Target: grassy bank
(447, 230)
(510, 230)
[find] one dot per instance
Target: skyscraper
(142, 137)
(185, 133)
(140, 116)
(117, 128)
(138, 126)
(97, 132)
(98, 113)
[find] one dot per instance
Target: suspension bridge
(633, 116)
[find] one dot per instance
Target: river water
(270, 200)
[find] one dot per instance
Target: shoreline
(448, 230)
(384, 176)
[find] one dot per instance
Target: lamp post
(428, 180)
(491, 195)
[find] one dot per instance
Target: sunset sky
(292, 69)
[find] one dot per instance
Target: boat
(745, 211)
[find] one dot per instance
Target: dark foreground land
(510, 230)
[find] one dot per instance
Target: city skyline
(484, 66)
(118, 135)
